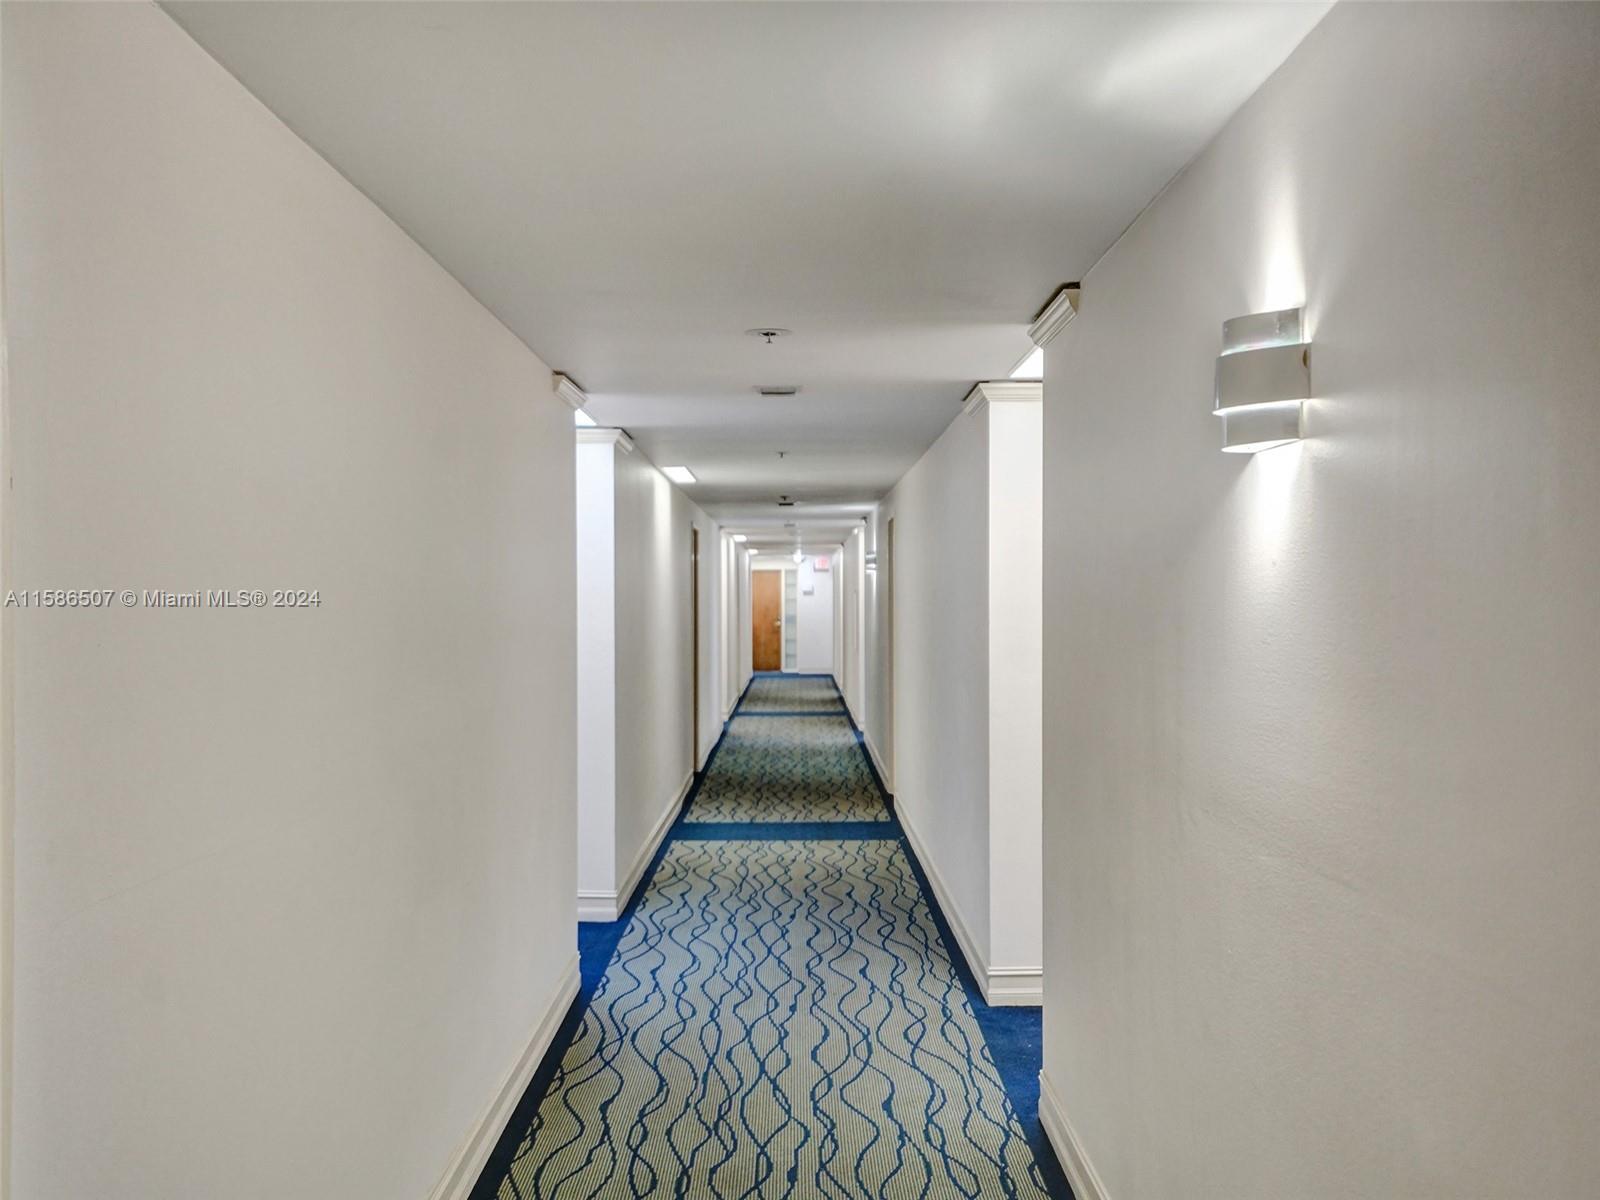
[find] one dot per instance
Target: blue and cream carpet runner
(781, 1016)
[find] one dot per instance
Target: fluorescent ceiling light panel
(582, 419)
(678, 474)
(739, 537)
(1032, 366)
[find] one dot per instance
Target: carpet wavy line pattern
(780, 1016)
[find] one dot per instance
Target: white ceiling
(629, 187)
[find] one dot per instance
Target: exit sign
(822, 562)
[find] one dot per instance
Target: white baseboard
(1015, 987)
(877, 761)
(608, 906)
(597, 906)
(1064, 1141)
(467, 1163)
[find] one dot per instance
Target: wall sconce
(1263, 380)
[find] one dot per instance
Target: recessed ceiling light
(678, 474)
(581, 418)
(1031, 366)
(739, 537)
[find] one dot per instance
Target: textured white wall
(1322, 724)
(746, 645)
(1016, 627)
(597, 668)
(292, 887)
(814, 629)
(852, 639)
(635, 648)
(878, 629)
(654, 648)
(941, 664)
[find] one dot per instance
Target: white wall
(292, 887)
(728, 623)
(1321, 767)
(941, 648)
(878, 621)
(654, 754)
(814, 629)
(635, 730)
(1016, 635)
(851, 640)
(745, 635)
(966, 688)
(597, 673)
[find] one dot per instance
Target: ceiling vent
(779, 389)
(785, 502)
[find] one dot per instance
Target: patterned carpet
(788, 769)
(779, 1015)
(792, 694)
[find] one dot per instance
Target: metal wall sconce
(1263, 380)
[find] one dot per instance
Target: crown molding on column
(567, 388)
(602, 436)
(1002, 391)
(1055, 315)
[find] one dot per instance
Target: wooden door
(766, 620)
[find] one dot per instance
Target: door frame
(783, 613)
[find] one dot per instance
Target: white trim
(1015, 987)
(1002, 987)
(877, 760)
(1064, 1141)
(603, 436)
(1057, 314)
(467, 1162)
(595, 905)
(567, 388)
(1000, 391)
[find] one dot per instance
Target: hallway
(781, 1011)
(902, 601)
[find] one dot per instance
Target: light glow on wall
(678, 474)
(1283, 273)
